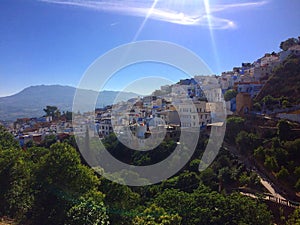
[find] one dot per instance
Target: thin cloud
(191, 15)
(217, 8)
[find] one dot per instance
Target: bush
(283, 173)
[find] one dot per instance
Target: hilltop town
(253, 178)
(170, 106)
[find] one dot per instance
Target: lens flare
(145, 20)
(210, 27)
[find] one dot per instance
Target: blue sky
(55, 41)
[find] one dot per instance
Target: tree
(16, 194)
(284, 130)
(246, 142)
(61, 180)
(257, 107)
(293, 148)
(52, 111)
(68, 115)
(120, 200)
(155, 215)
(187, 181)
(233, 126)
(297, 185)
(209, 178)
(7, 140)
(49, 140)
(259, 153)
(204, 206)
(286, 104)
(297, 172)
(15, 177)
(270, 102)
(230, 94)
(283, 173)
(285, 45)
(271, 163)
(89, 210)
(294, 218)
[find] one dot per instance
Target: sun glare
(210, 27)
(145, 20)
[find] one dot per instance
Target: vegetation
(230, 94)
(285, 45)
(283, 85)
(51, 184)
(46, 184)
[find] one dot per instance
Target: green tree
(51, 110)
(155, 215)
(284, 130)
(49, 140)
(271, 163)
(16, 195)
(293, 148)
(234, 125)
(15, 177)
(204, 206)
(89, 210)
(297, 172)
(244, 179)
(283, 173)
(294, 218)
(120, 200)
(259, 153)
(7, 140)
(187, 181)
(285, 45)
(61, 179)
(270, 102)
(230, 94)
(209, 178)
(246, 142)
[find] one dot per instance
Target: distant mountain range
(31, 101)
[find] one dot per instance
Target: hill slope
(31, 101)
(285, 81)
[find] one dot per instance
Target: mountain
(31, 101)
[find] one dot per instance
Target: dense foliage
(52, 186)
(47, 185)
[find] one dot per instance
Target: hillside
(31, 101)
(285, 82)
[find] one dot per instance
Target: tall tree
(61, 180)
(52, 111)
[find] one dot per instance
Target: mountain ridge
(30, 101)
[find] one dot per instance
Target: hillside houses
(249, 79)
(190, 103)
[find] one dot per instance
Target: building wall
(243, 103)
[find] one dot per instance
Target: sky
(55, 41)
